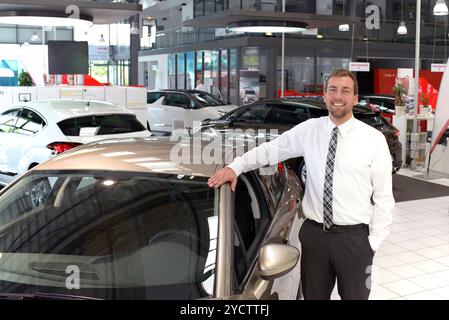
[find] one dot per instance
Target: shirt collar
(344, 128)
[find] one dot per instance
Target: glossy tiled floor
(413, 262)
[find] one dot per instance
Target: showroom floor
(413, 262)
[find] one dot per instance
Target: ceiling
(223, 18)
(101, 12)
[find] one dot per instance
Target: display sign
(98, 53)
(438, 67)
(359, 66)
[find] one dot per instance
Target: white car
(248, 95)
(33, 132)
(168, 110)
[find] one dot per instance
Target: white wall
(160, 74)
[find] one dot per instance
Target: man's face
(340, 98)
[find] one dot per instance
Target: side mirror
(276, 260)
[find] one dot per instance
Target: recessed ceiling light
(343, 27)
(267, 26)
(402, 29)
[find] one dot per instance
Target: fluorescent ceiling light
(402, 29)
(343, 27)
(43, 18)
(267, 26)
(440, 8)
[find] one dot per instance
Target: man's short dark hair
(343, 73)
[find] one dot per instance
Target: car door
(26, 130)
(8, 121)
(22, 137)
(260, 217)
(176, 112)
(154, 111)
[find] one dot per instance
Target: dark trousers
(343, 254)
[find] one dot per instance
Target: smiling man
(348, 198)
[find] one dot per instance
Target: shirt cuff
(236, 168)
(374, 243)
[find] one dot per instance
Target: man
(348, 198)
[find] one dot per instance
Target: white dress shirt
(362, 170)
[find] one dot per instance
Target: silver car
(118, 219)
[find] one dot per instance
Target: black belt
(338, 228)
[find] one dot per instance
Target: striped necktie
(328, 181)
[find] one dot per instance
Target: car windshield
(207, 99)
(111, 235)
(250, 91)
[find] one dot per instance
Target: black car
(283, 114)
(385, 103)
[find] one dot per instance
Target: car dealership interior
(223, 108)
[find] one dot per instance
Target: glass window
(29, 123)
(275, 183)
(317, 113)
(100, 125)
(198, 8)
(298, 74)
(206, 99)
(177, 100)
(224, 75)
(130, 235)
(233, 93)
(254, 113)
(181, 71)
(371, 120)
(8, 120)
(190, 72)
(171, 71)
(250, 221)
(154, 96)
(325, 66)
(288, 114)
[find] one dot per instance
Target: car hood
(225, 108)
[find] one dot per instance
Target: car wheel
(302, 173)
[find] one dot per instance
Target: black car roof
(312, 103)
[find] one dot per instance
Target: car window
(131, 235)
(100, 125)
(251, 220)
(382, 102)
(288, 114)
(317, 113)
(8, 120)
(371, 120)
(177, 100)
(154, 96)
(254, 113)
(29, 123)
(207, 100)
(275, 183)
